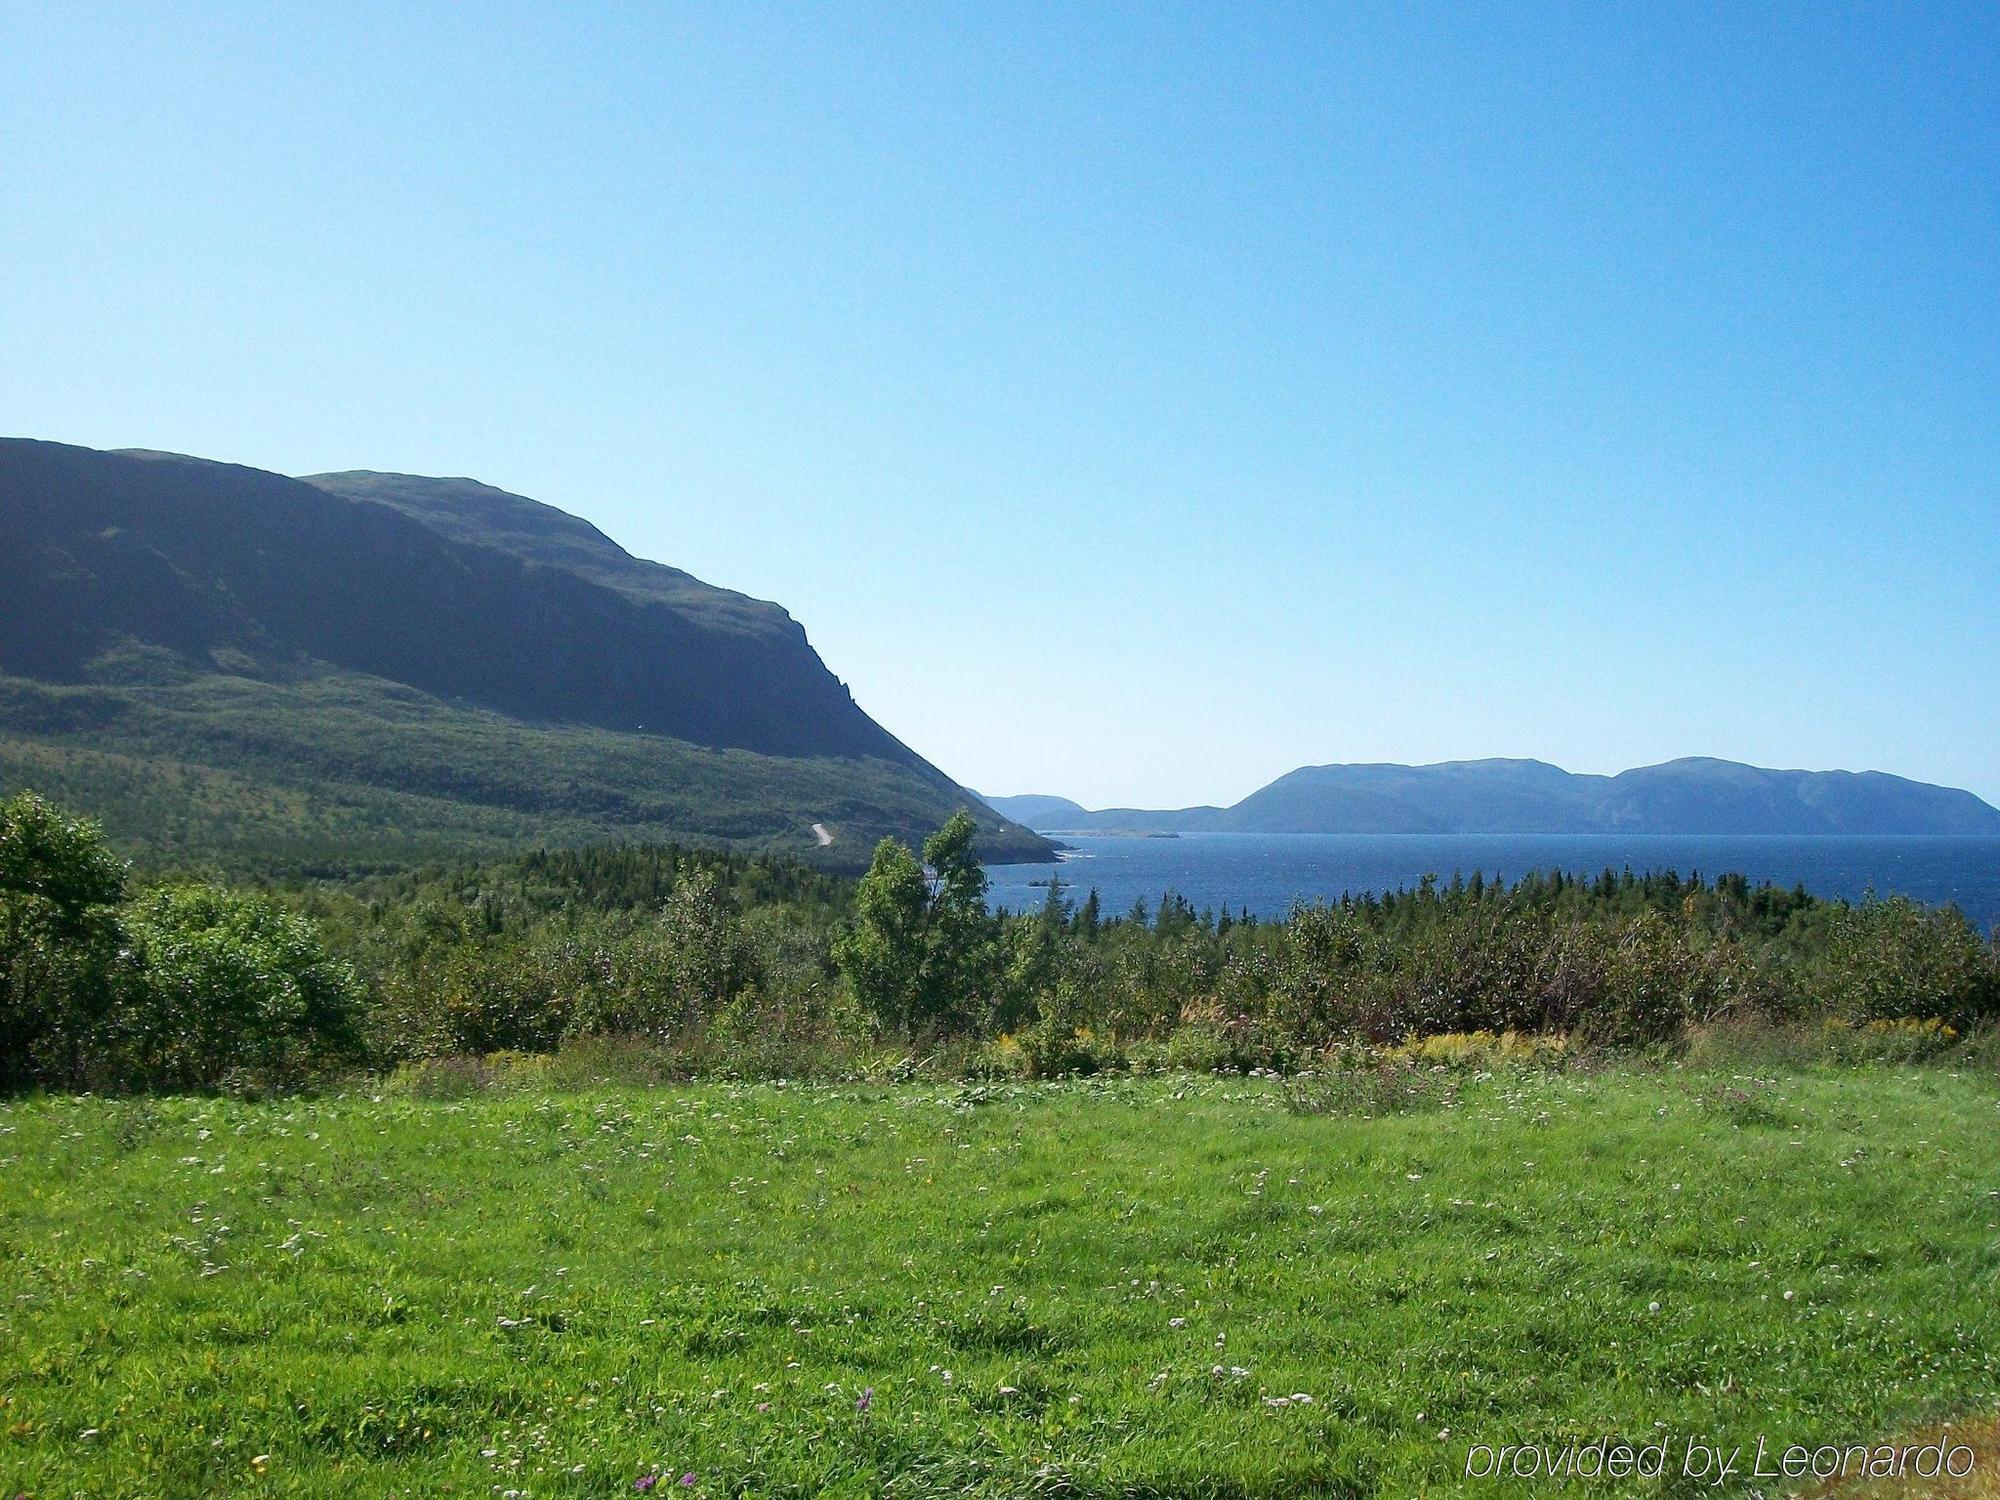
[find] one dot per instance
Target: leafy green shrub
(1213, 1038)
(1059, 1042)
(1052, 1049)
(230, 983)
(1887, 959)
(459, 996)
(62, 962)
(50, 856)
(1205, 1047)
(437, 1078)
(1324, 983)
(672, 976)
(1660, 979)
(781, 1033)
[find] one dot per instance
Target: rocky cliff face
(213, 562)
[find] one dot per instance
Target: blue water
(1267, 873)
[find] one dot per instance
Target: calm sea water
(1267, 873)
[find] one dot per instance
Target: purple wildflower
(866, 1399)
(645, 1482)
(687, 1481)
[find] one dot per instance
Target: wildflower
(687, 1481)
(645, 1482)
(866, 1399)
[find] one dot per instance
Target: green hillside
(343, 771)
(234, 667)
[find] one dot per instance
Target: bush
(62, 951)
(1052, 1049)
(231, 984)
(1660, 979)
(1215, 1036)
(1207, 1047)
(1980, 1048)
(1324, 986)
(815, 1033)
(670, 978)
(1887, 959)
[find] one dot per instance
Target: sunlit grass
(1165, 1287)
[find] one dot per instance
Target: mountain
(1694, 795)
(1040, 812)
(228, 663)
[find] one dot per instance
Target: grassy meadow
(1152, 1286)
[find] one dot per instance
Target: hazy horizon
(1132, 406)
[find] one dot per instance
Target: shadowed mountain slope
(156, 609)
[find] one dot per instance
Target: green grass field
(1126, 1288)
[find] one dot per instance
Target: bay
(1266, 874)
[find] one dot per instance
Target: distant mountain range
(230, 664)
(1692, 796)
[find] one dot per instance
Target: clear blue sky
(1132, 403)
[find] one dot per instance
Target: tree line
(713, 962)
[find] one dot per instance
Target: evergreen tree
(1089, 918)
